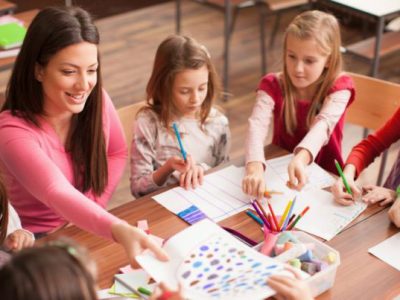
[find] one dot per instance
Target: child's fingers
(158, 251)
(292, 177)
(260, 190)
(201, 175)
(188, 179)
(301, 178)
(195, 180)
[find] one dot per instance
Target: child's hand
(253, 183)
(339, 190)
(135, 241)
(179, 164)
(394, 213)
(380, 194)
(18, 240)
(163, 293)
(290, 288)
(193, 177)
(297, 169)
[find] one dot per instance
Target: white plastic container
(324, 279)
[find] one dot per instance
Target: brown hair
(51, 272)
(324, 29)
(52, 30)
(175, 54)
(3, 212)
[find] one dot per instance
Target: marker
(340, 171)
(144, 291)
(269, 193)
(286, 222)
(254, 204)
(265, 214)
(283, 218)
(178, 136)
(254, 217)
(276, 225)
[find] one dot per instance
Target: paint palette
(217, 268)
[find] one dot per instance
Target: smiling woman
(62, 149)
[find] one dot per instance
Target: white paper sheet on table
(325, 218)
(388, 251)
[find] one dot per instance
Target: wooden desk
(26, 17)
(110, 256)
(380, 11)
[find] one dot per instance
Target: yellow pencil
(285, 213)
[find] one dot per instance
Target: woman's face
(68, 79)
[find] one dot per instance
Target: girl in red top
(307, 102)
(364, 154)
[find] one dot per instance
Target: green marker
(339, 169)
(144, 291)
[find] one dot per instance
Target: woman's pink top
(324, 137)
(38, 174)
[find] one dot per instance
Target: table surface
(378, 8)
(358, 270)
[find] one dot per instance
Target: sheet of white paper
(133, 279)
(325, 218)
(219, 197)
(388, 251)
(318, 177)
(211, 264)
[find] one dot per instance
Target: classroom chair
(127, 116)
(376, 101)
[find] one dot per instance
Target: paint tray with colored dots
(325, 278)
(209, 263)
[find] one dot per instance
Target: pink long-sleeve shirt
(38, 173)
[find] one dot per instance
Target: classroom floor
(129, 41)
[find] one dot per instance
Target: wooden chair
(376, 101)
(127, 116)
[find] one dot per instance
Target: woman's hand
(339, 190)
(253, 183)
(394, 213)
(373, 194)
(135, 241)
(193, 177)
(18, 240)
(297, 169)
(289, 288)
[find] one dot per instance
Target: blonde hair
(175, 54)
(324, 29)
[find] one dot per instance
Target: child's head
(3, 212)
(52, 272)
(183, 80)
(57, 73)
(312, 60)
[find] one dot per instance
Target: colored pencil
(178, 136)
(276, 225)
(286, 222)
(253, 203)
(283, 218)
(254, 217)
(299, 217)
(265, 214)
(340, 171)
(291, 220)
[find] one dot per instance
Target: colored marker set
(287, 221)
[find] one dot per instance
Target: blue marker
(179, 140)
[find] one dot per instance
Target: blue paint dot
(204, 248)
(207, 286)
(220, 268)
(271, 267)
(225, 277)
(255, 265)
(197, 264)
(206, 269)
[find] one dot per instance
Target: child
(59, 270)
(62, 149)
(364, 154)
(12, 236)
(307, 102)
(181, 90)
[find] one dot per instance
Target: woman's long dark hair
(52, 30)
(3, 212)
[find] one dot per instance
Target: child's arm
(394, 211)
(259, 121)
(18, 240)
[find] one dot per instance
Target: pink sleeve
(325, 122)
(258, 125)
(370, 148)
(117, 151)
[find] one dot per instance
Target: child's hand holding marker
(345, 191)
